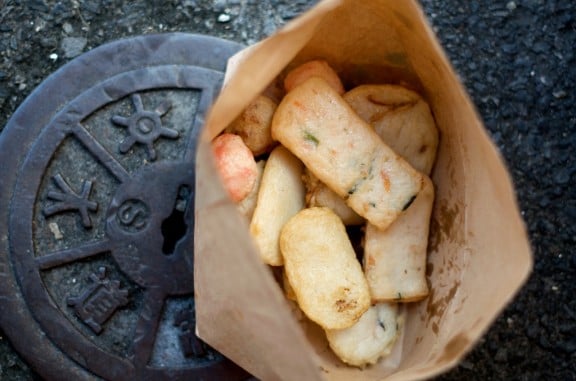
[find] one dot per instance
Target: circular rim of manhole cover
(96, 213)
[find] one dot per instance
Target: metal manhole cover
(96, 208)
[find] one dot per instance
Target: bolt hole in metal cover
(96, 208)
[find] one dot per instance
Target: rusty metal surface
(96, 207)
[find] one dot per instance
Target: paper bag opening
(479, 255)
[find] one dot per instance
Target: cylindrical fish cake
(371, 338)
(322, 268)
(235, 164)
(401, 118)
(395, 258)
(281, 196)
(344, 152)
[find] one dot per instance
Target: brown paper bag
(479, 254)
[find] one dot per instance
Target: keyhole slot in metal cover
(175, 226)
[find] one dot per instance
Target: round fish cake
(253, 125)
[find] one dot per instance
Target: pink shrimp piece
(235, 164)
(316, 68)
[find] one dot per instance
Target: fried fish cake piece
(369, 339)
(316, 68)
(253, 125)
(235, 165)
(322, 268)
(318, 194)
(345, 153)
(280, 197)
(395, 258)
(401, 118)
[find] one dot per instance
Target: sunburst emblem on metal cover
(145, 127)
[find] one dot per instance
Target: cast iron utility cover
(96, 208)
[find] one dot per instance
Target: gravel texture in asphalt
(516, 58)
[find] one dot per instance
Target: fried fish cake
(395, 258)
(368, 340)
(345, 153)
(253, 125)
(322, 268)
(280, 197)
(316, 68)
(401, 118)
(235, 164)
